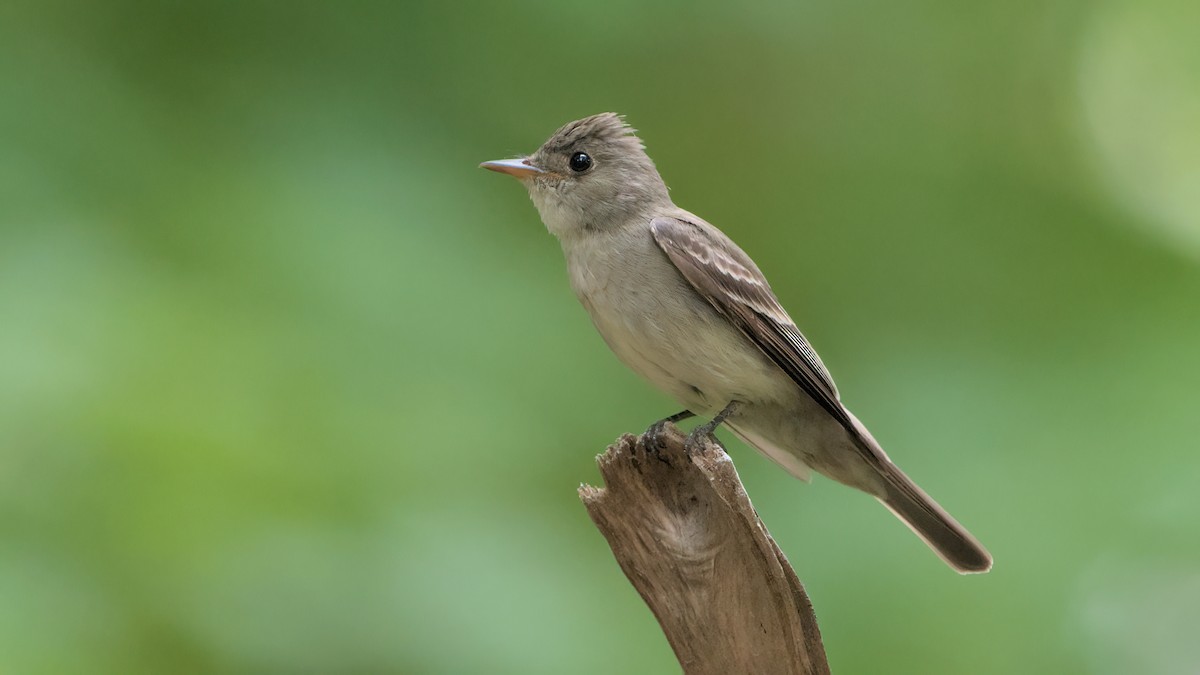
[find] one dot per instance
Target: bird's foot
(695, 441)
(704, 433)
(655, 433)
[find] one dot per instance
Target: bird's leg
(705, 431)
(654, 433)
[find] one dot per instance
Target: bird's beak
(518, 168)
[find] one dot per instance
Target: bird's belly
(679, 344)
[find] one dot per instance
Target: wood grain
(683, 530)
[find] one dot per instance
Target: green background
(289, 385)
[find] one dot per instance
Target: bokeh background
(288, 385)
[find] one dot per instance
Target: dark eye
(580, 162)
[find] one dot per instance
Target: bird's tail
(942, 533)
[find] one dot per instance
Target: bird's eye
(580, 162)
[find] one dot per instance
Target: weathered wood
(682, 528)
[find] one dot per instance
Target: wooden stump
(682, 528)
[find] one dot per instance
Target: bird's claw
(654, 434)
(694, 442)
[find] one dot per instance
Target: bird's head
(592, 174)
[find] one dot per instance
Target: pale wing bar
(741, 294)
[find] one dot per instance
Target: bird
(685, 308)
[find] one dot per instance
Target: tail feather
(931, 523)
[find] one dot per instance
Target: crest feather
(604, 127)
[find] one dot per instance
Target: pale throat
(560, 216)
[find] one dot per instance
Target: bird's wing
(726, 277)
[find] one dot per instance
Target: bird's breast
(663, 330)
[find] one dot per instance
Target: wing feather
(731, 282)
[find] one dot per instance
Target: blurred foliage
(287, 384)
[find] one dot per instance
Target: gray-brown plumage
(689, 311)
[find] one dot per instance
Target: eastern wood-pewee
(690, 312)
